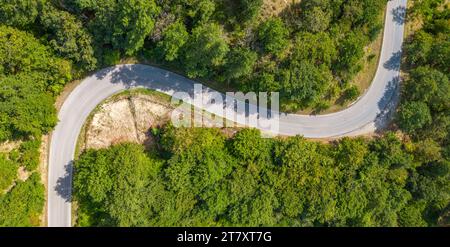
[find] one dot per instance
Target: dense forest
(309, 53)
(46, 43)
(198, 177)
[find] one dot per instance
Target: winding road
(368, 114)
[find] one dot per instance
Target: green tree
(317, 48)
(273, 35)
(24, 110)
(205, 50)
(19, 13)
(204, 163)
(8, 171)
(306, 185)
(427, 151)
(117, 183)
(305, 83)
(240, 63)
(248, 9)
(173, 39)
(351, 51)
(413, 116)
(440, 53)
(201, 10)
(68, 37)
(30, 154)
(249, 146)
(420, 48)
(351, 93)
(124, 24)
(412, 215)
(429, 86)
(23, 204)
(315, 19)
(20, 52)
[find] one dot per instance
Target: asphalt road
(366, 115)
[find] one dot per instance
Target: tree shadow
(145, 76)
(394, 62)
(64, 184)
(388, 104)
(399, 14)
(139, 75)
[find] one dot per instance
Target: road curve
(366, 115)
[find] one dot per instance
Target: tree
(205, 50)
(124, 24)
(351, 93)
(272, 35)
(264, 82)
(248, 145)
(440, 53)
(351, 51)
(203, 164)
(305, 83)
(23, 204)
(173, 39)
(19, 13)
(24, 110)
(420, 48)
(68, 37)
(30, 154)
(305, 182)
(411, 215)
(21, 53)
(316, 48)
(427, 151)
(248, 9)
(429, 86)
(239, 63)
(258, 210)
(117, 183)
(8, 171)
(201, 10)
(413, 116)
(315, 19)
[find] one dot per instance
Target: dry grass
(8, 146)
(275, 7)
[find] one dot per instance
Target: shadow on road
(388, 104)
(137, 75)
(64, 184)
(399, 14)
(394, 61)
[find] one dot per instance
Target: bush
(23, 204)
(351, 93)
(30, 155)
(8, 172)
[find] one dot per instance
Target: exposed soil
(125, 119)
(43, 168)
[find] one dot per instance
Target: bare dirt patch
(125, 119)
(130, 117)
(23, 174)
(42, 169)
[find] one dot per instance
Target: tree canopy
(201, 178)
